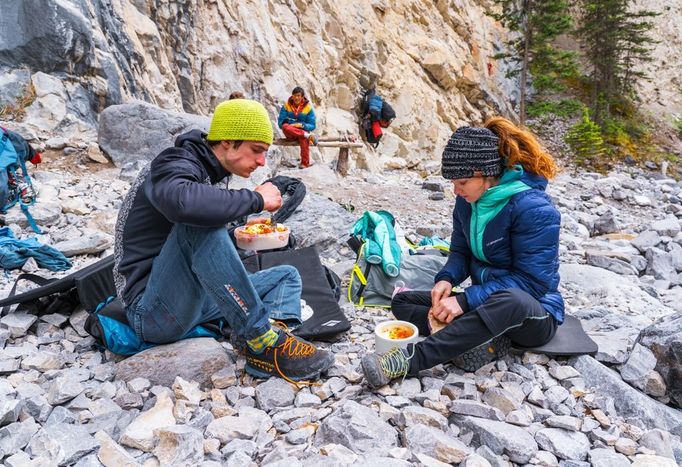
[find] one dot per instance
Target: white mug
(383, 344)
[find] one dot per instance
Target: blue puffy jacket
(521, 244)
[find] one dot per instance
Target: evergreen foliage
(615, 40)
(538, 23)
(562, 107)
(585, 139)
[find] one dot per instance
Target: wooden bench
(343, 142)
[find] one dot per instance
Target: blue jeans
(198, 277)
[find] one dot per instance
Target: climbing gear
(15, 183)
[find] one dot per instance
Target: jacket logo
(494, 241)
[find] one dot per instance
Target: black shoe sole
(473, 359)
(267, 373)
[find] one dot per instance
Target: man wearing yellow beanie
(175, 264)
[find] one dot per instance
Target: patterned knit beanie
(240, 119)
(471, 152)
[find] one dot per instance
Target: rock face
(664, 338)
(664, 93)
(433, 62)
(60, 38)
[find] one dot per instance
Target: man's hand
(272, 198)
(298, 125)
(441, 290)
(447, 310)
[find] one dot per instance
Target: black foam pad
(570, 339)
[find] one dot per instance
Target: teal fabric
(381, 247)
(434, 241)
(490, 204)
(14, 253)
(121, 339)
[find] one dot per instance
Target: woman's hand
(441, 290)
(447, 310)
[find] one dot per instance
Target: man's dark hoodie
(176, 188)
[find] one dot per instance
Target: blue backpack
(15, 183)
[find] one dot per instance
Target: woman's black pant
(511, 312)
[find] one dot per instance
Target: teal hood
(491, 203)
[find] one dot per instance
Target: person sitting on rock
(175, 264)
(297, 121)
(506, 239)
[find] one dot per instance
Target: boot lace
(395, 363)
(292, 347)
(296, 348)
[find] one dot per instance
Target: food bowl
(394, 333)
(258, 235)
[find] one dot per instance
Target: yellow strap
(410, 244)
(358, 272)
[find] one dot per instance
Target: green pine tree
(585, 139)
(615, 40)
(531, 51)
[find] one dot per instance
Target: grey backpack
(370, 287)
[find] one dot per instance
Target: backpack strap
(361, 276)
(39, 280)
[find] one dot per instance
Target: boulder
(628, 402)
(619, 294)
(664, 339)
(129, 132)
(58, 39)
(323, 223)
(191, 359)
(358, 428)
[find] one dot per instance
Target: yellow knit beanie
(240, 119)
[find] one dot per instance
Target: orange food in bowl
(397, 332)
(261, 236)
(262, 228)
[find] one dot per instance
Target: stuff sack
(369, 286)
(108, 325)
(15, 183)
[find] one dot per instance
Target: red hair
(520, 146)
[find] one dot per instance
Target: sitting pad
(570, 339)
(328, 319)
